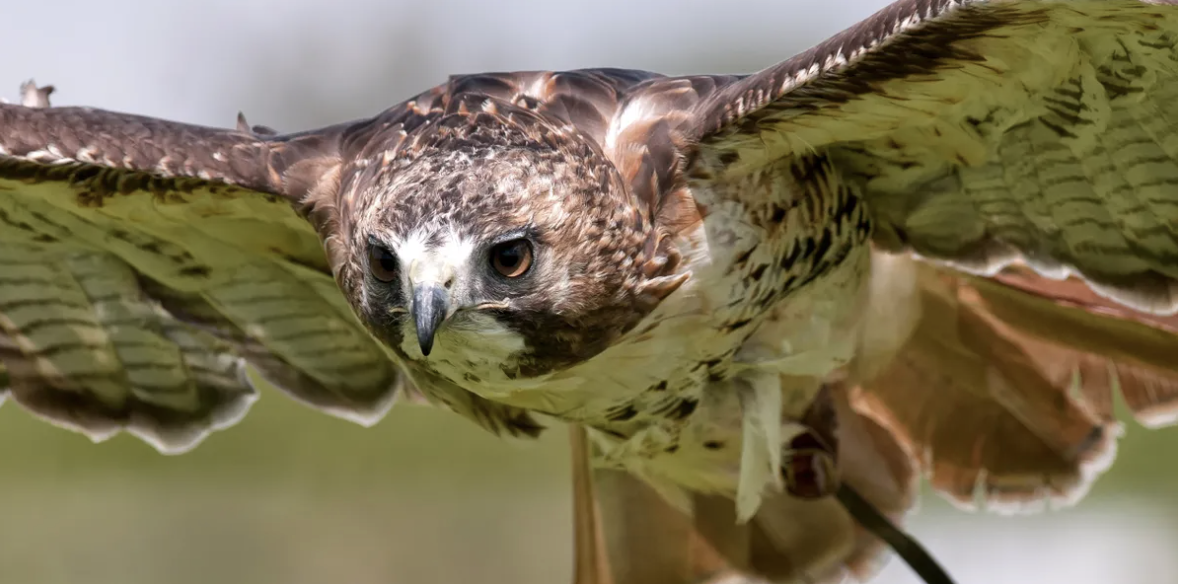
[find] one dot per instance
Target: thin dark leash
(909, 550)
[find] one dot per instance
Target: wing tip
(1146, 291)
(312, 394)
(179, 440)
(1149, 292)
(162, 437)
(366, 417)
(1153, 417)
(167, 431)
(1027, 493)
(1156, 295)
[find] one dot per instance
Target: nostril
(449, 283)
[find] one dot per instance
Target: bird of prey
(942, 243)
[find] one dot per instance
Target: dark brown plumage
(957, 217)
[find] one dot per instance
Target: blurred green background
(291, 496)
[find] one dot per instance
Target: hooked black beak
(430, 304)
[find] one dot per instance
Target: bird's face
(503, 259)
(447, 271)
(459, 289)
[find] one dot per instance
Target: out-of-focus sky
(200, 61)
(291, 496)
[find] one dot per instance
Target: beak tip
(430, 304)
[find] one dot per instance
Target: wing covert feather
(983, 133)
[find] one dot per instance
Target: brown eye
(512, 258)
(382, 263)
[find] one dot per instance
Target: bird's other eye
(382, 263)
(511, 259)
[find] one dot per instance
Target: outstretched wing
(145, 262)
(1034, 142)
(986, 133)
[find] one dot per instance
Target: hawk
(941, 243)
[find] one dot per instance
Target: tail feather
(1004, 390)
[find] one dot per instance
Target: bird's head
(502, 244)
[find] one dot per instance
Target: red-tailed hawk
(941, 242)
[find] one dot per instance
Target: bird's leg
(810, 471)
(626, 533)
(590, 565)
(809, 459)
